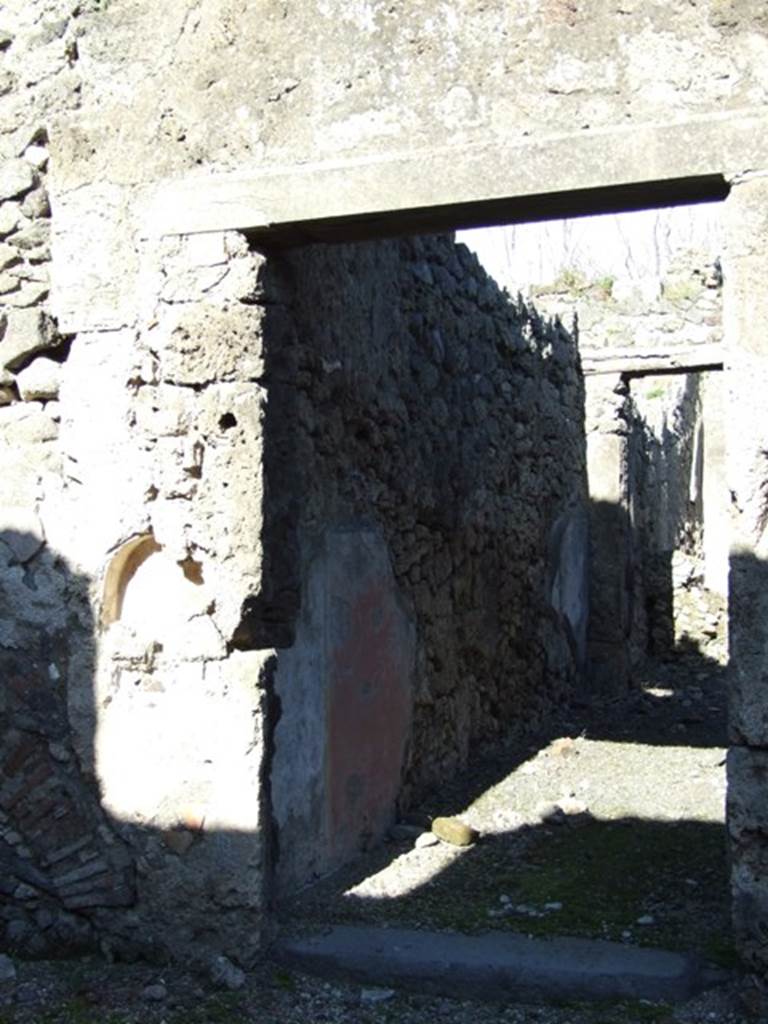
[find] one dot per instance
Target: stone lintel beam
(446, 187)
(633, 363)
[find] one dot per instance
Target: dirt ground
(610, 825)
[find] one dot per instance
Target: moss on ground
(606, 876)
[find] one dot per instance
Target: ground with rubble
(576, 836)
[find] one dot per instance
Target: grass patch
(609, 874)
(75, 1010)
(721, 950)
(220, 1008)
(285, 980)
(681, 289)
(575, 282)
(639, 1011)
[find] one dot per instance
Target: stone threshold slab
(497, 966)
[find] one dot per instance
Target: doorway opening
(523, 481)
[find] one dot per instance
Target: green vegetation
(576, 282)
(284, 979)
(570, 280)
(721, 950)
(609, 874)
(606, 875)
(76, 1010)
(639, 1011)
(606, 284)
(219, 1008)
(681, 289)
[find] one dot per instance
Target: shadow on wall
(76, 874)
(611, 596)
(61, 861)
(643, 603)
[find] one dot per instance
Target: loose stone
(225, 974)
(453, 831)
(155, 993)
(376, 995)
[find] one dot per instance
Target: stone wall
(133, 752)
(368, 456)
(240, 125)
(656, 462)
(681, 500)
(651, 93)
(437, 430)
(746, 321)
(62, 862)
(147, 578)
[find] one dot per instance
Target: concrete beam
(621, 167)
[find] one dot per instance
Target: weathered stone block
(96, 262)
(206, 344)
(27, 331)
(9, 218)
(39, 380)
(16, 178)
(8, 256)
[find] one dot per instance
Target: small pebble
(225, 974)
(155, 993)
(27, 992)
(376, 995)
(646, 919)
